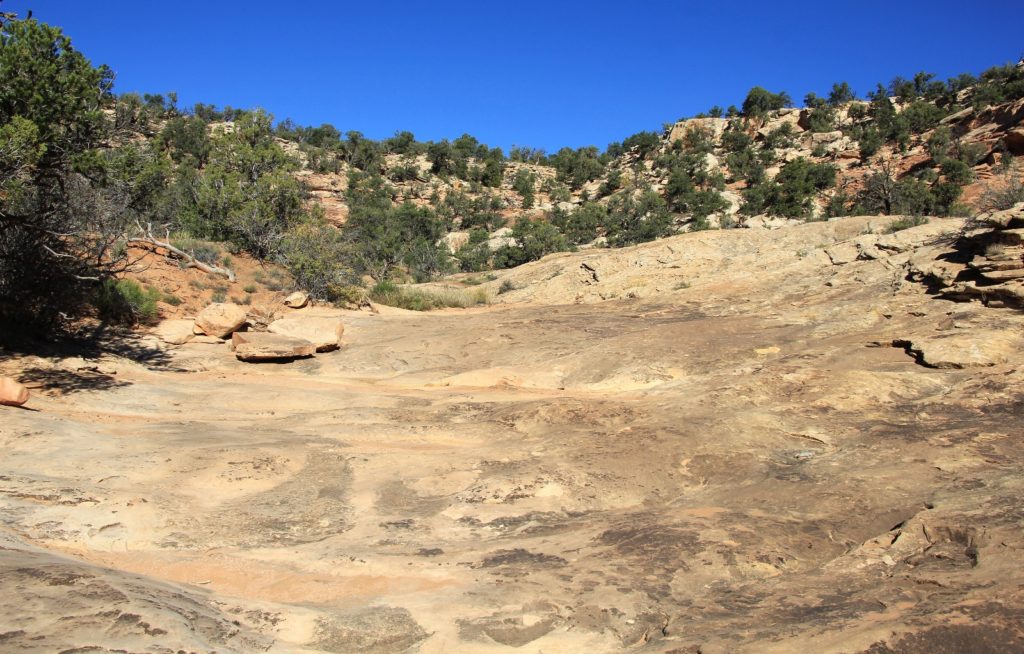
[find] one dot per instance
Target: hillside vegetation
(85, 174)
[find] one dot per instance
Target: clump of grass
(1003, 194)
(125, 301)
(171, 299)
(197, 284)
(245, 300)
(506, 286)
(205, 251)
(475, 281)
(219, 296)
(392, 295)
(249, 288)
(906, 222)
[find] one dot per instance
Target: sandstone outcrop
(988, 264)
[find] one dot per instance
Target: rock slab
(323, 331)
(263, 346)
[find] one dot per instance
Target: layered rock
(989, 261)
(323, 331)
(263, 346)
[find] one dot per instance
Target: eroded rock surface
(709, 443)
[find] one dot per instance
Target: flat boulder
(264, 346)
(175, 332)
(221, 319)
(12, 393)
(323, 331)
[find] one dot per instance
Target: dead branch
(175, 253)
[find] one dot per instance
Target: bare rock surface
(324, 332)
(175, 332)
(708, 443)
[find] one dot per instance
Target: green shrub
(822, 120)
(315, 254)
(506, 286)
(760, 101)
(637, 219)
(792, 190)
(906, 222)
(581, 225)
(534, 239)
(524, 184)
(125, 301)
(250, 288)
(475, 255)
(219, 296)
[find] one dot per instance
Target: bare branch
(190, 262)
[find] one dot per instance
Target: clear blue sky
(544, 74)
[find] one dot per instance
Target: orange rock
(12, 393)
(221, 319)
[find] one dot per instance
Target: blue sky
(543, 74)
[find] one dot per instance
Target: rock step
(1003, 275)
(264, 346)
(1010, 236)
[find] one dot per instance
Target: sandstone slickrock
(297, 300)
(694, 444)
(323, 331)
(221, 319)
(974, 349)
(175, 332)
(12, 393)
(263, 346)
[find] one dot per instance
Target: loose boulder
(221, 319)
(263, 346)
(323, 331)
(12, 393)
(297, 300)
